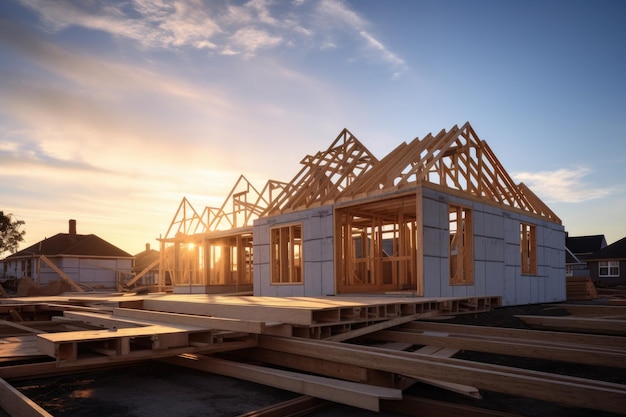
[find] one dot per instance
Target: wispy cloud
(221, 27)
(563, 185)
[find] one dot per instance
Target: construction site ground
(157, 389)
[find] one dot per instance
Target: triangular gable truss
(325, 175)
(456, 159)
(243, 204)
(186, 221)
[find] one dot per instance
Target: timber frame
(377, 207)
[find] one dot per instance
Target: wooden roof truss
(456, 159)
(325, 175)
(243, 204)
(186, 221)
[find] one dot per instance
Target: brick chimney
(147, 247)
(72, 231)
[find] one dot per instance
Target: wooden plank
(20, 326)
(300, 316)
(591, 310)
(547, 337)
(344, 392)
(142, 273)
(237, 325)
(571, 391)
(513, 347)
(17, 404)
(466, 390)
(306, 364)
(579, 324)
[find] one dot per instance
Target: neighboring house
(607, 266)
(436, 217)
(88, 260)
(579, 248)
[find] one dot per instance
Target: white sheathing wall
(93, 272)
(317, 254)
(497, 269)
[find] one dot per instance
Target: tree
(10, 233)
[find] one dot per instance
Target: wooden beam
(547, 337)
(437, 351)
(306, 364)
(19, 326)
(344, 392)
(142, 273)
(571, 391)
(17, 404)
(591, 310)
(62, 274)
(577, 324)
(513, 347)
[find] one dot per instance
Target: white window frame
(608, 269)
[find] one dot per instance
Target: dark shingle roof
(62, 244)
(614, 251)
(585, 245)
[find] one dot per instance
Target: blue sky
(112, 111)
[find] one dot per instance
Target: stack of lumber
(580, 288)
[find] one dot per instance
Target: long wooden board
(547, 337)
(17, 404)
(344, 392)
(577, 324)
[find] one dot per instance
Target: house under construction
(436, 217)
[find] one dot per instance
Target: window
(609, 269)
(528, 248)
(286, 246)
(461, 245)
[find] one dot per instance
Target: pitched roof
(613, 251)
(585, 245)
(63, 244)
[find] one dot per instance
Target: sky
(111, 112)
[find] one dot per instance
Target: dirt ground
(156, 389)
